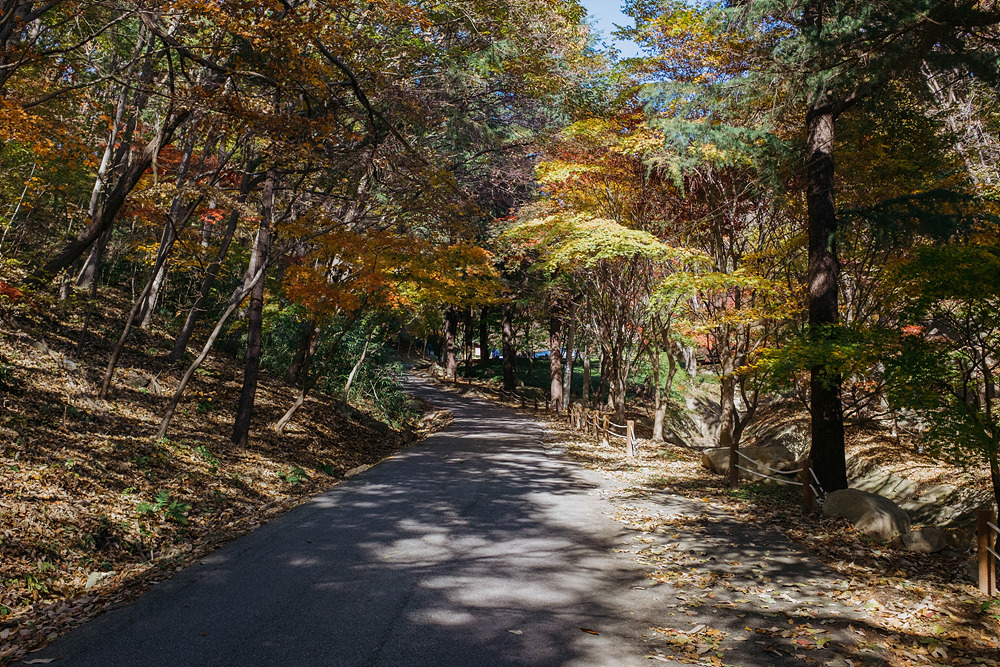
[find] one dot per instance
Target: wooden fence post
(536, 404)
(522, 402)
(808, 497)
(631, 446)
(604, 431)
(987, 563)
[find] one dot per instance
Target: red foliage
(13, 294)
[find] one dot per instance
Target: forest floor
(919, 609)
(94, 510)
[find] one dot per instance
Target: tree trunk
(827, 451)
(180, 344)
(509, 352)
(659, 405)
(357, 367)
(303, 351)
(255, 318)
(470, 338)
(450, 334)
(555, 362)
(585, 392)
(484, 337)
(567, 384)
(312, 338)
(108, 211)
(234, 302)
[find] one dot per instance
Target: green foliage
(295, 476)
(172, 510)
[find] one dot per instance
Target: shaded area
(482, 546)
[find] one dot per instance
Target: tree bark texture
(827, 451)
(450, 334)
(509, 352)
(484, 336)
(570, 341)
(255, 318)
(555, 362)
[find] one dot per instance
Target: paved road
(480, 546)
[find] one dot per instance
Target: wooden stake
(604, 431)
(987, 563)
(631, 446)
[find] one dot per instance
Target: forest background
(794, 198)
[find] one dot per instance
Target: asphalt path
(480, 546)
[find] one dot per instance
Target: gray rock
(925, 540)
(870, 513)
(96, 578)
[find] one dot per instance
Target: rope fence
(598, 424)
(986, 534)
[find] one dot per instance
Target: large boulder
(868, 512)
(775, 457)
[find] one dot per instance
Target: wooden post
(987, 563)
(808, 497)
(522, 402)
(604, 431)
(631, 446)
(536, 404)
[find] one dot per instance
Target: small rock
(868, 512)
(68, 365)
(97, 577)
(40, 346)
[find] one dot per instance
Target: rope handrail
(822, 491)
(993, 526)
(780, 472)
(995, 554)
(618, 435)
(776, 479)
(611, 423)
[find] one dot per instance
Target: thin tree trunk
(255, 318)
(234, 302)
(357, 367)
(585, 392)
(308, 381)
(450, 333)
(484, 337)
(509, 351)
(180, 343)
(555, 362)
(302, 352)
(567, 384)
(659, 405)
(469, 341)
(161, 257)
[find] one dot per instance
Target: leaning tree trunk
(255, 318)
(827, 451)
(509, 352)
(450, 333)
(357, 367)
(303, 351)
(180, 343)
(308, 380)
(234, 302)
(108, 211)
(161, 257)
(555, 362)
